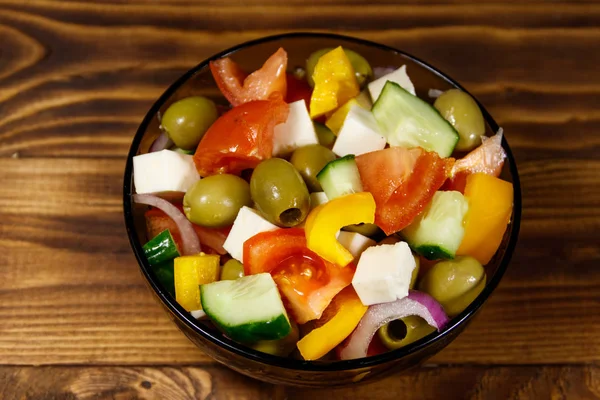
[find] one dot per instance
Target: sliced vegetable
(191, 271)
(190, 244)
(297, 89)
(307, 282)
(330, 217)
(162, 142)
(213, 238)
(416, 303)
(407, 121)
(240, 138)
(437, 232)
(487, 158)
(161, 248)
(281, 347)
(362, 69)
(454, 283)
(340, 177)
(337, 323)
(403, 331)
(490, 207)
(335, 82)
(336, 120)
(165, 275)
(239, 88)
(402, 182)
(248, 309)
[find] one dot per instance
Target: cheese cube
(247, 224)
(383, 273)
(164, 171)
(359, 134)
(355, 242)
(399, 76)
(317, 198)
(296, 132)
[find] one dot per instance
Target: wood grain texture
(71, 282)
(219, 383)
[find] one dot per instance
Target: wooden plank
(67, 88)
(70, 290)
(219, 383)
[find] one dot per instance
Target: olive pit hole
(290, 217)
(397, 330)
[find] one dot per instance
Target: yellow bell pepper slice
(191, 271)
(325, 221)
(335, 82)
(490, 207)
(337, 323)
(336, 120)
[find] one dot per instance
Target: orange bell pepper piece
(490, 207)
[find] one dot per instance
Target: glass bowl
(251, 55)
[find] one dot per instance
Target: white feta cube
(359, 134)
(317, 198)
(383, 273)
(355, 242)
(399, 76)
(296, 132)
(247, 224)
(164, 171)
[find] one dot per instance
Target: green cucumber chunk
(247, 309)
(406, 120)
(436, 233)
(161, 248)
(340, 177)
(165, 276)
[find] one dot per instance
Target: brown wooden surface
(76, 78)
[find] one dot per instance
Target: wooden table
(76, 78)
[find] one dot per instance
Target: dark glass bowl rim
(289, 363)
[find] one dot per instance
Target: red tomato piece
(239, 87)
(240, 138)
(212, 239)
(402, 181)
(306, 281)
(297, 89)
(488, 158)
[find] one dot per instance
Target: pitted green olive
(232, 270)
(464, 114)
(309, 161)
(403, 331)
(187, 120)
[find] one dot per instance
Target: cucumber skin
(450, 126)
(165, 276)
(274, 329)
(433, 252)
(161, 248)
(331, 164)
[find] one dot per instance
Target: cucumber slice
(407, 121)
(247, 309)
(161, 248)
(340, 177)
(436, 233)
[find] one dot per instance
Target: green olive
(282, 347)
(363, 229)
(464, 114)
(309, 161)
(187, 120)
(232, 270)
(403, 331)
(279, 192)
(216, 200)
(361, 66)
(326, 137)
(454, 283)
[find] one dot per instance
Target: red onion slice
(162, 142)
(416, 303)
(378, 72)
(189, 238)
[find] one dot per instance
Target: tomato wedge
(239, 87)
(212, 239)
(240, 138)
(488, 158)
(297, 89)
(402, 181)
(307, 282)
